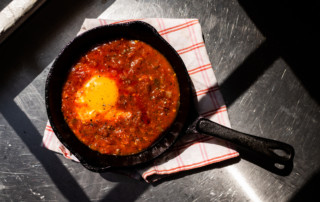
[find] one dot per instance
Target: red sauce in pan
(120, 97)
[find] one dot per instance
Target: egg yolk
(98, 96)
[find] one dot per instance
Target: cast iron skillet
(273, 150)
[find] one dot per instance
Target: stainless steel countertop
(262, 58)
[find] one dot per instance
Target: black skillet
(274, 151)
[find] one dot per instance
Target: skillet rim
(166, 140)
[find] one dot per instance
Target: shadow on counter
(127, 184)
(309, 191)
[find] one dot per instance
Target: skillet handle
(277, 152)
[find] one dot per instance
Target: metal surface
(265, 68)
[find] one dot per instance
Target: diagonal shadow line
(309, 190)
(132, 192)
(248, 72)
(61, 177)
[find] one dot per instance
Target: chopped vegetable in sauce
(120, 97)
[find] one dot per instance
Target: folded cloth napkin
(191, 150)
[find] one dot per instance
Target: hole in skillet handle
(58, 73)
(281, 153)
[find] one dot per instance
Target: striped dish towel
(191, 150)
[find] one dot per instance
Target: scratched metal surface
(275, 104)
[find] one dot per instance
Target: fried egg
(98, 96)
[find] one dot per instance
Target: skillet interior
(93, 160)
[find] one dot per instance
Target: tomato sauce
(120, 97)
